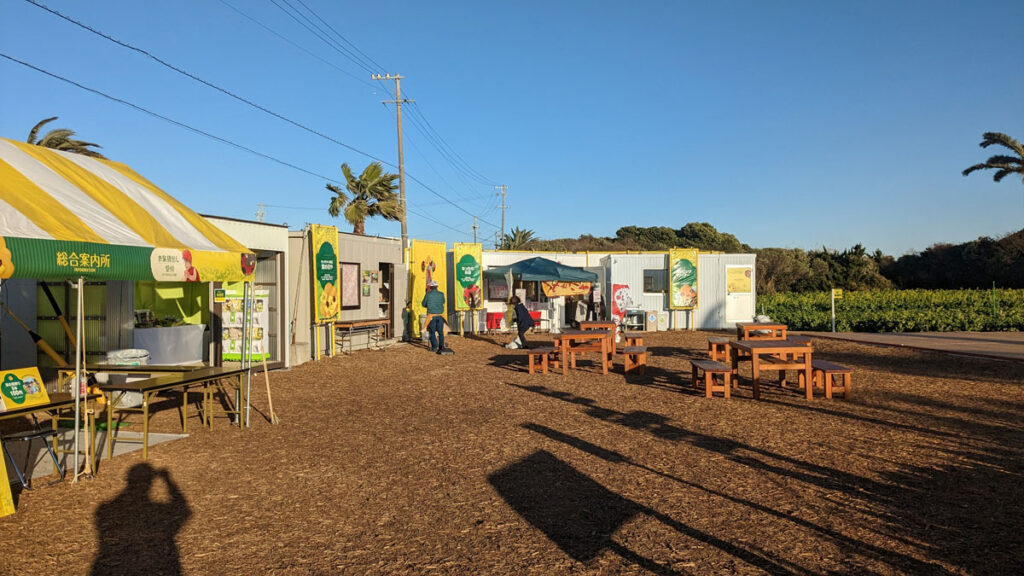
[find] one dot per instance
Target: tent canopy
(65, 215)
(542, 270)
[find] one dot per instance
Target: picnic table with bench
(209, 379)
(582, 341)
(772, 355)
(760, 331)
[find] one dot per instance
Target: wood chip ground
(405, 462)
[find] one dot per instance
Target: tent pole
(250, 307)
(79, 328)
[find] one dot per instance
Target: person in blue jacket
(433, 301)
(523, 320)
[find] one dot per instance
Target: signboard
(326, 280)
(468, 279)
(738, 279)
(682, 270)
(426, 263)
(559, 288)
(231, 321)
(621, 300)
(837, 293)
(21, 388)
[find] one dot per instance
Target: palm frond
(35, 129)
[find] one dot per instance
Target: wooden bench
(825, 375)
(711, 368)
(539, 357)
(718, 348)
(634, 359)
(374, 330)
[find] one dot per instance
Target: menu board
(231, 322)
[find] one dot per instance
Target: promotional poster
(682, 269)
(326, 285)
(468, 279)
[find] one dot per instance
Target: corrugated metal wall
(629, 269)
(711, 288)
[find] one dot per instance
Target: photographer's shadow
(136, 531)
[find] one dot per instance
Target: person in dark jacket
(523, 320)
(433, 301)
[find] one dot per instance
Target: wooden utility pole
(503, 189)
(401, 161)
(474, 229)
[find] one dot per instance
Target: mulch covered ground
(405, 462)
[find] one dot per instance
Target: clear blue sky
(792, 124)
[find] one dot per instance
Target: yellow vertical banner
(468, 290)
(326, 280)
(6, 499)
(426, 264)
(682, 273)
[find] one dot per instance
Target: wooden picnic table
(602, 325)
(203, 378)
(579, 340)
(772, 355)
(755, 331)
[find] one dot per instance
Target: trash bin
(128, 357)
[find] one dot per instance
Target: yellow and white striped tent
(66, 215)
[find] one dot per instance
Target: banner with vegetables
(326, 280)
(682, 269)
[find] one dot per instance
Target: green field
(899, 310)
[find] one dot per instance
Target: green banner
(42, 259)
(468, 291)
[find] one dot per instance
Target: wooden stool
(717, 348)
(710, 368)
(825, 374)
(541, 355)
(634, 359)
(633, 338)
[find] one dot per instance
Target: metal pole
(79, 369)
(833, 309)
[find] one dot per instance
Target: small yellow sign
(21, 388)
(837, 293)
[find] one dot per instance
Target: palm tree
(373, 194)
(518, 239)
(1001, 163)
(62, 139)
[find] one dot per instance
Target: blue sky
(791, 124)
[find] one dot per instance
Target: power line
(206, 134)
(246, 101)
(308, 52)
(166, 119)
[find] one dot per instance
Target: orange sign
(558, 288)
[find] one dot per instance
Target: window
(656, 281)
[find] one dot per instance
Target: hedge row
(899, 310)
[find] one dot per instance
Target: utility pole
(496, 243)
(503, 189)
(401, 161)
(259, 213)
(474, 229)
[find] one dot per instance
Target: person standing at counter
(523, 320)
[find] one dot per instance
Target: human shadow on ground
(838, 538)
(581, 516)
(951, 512)
(136, 531)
